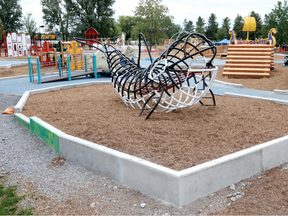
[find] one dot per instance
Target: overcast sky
(179, 9)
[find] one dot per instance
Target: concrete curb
(281, 92)
(174, 187)
(224, 83)
(285, 102)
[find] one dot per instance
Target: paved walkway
(21, 84)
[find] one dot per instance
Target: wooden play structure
(45, 55)
(249, 60)
(246, 58)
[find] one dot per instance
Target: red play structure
(4, 42)
(91, 33)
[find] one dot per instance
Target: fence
(65, 67)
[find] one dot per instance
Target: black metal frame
(132, 82)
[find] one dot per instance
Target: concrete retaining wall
(175, 187)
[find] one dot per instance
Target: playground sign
(41, 36)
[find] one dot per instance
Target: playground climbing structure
(170, 82)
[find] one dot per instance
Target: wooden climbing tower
(249, 60)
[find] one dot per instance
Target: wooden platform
(64, 77)
(249, 60)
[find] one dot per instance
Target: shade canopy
(224, 42)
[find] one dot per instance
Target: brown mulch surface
(178, 140)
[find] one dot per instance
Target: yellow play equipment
(76, 56)
(249, 25)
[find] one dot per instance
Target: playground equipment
(249, 25)
(285, 61)
(15, 44)
(76, 55)
(102, 59)
(64, 71)
(169, 83)
(270, 40)
(91, 34)
(45, 53)
(249, 60)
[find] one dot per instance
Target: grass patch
(9, 201)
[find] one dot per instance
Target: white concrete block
(21, 103)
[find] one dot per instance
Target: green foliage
(221, 34)
(188, 25)
(126, 24)
(259, 24)
(97, 14)
(172, 30)
(152, 20)
(270, 21)
(226, 25)
(200, 25)
(279, 18)
(9, 200)
(1, 29)
(212, 27)
(10, 14)
(28, 24)
(238, 25)
(58, 16)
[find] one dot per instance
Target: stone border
(174, 187)
(285, 102)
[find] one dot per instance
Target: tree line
(69, 18)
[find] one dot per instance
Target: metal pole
(95, 65)
(38, 69)
(69, 69)
(59, 65)
(85, 58)
(30, 68)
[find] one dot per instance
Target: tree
(97, 14)
(126, 24)
(226, 25)
(152, 20)
(281, 14)
(200, 24)
(212, 27)
(29, 24)
(259, 24)
(238, 25)
(188, 25)
(221, 34)
(10, 14)
(270, 21)
(173, 29)
(58, 15)
(1, 29)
